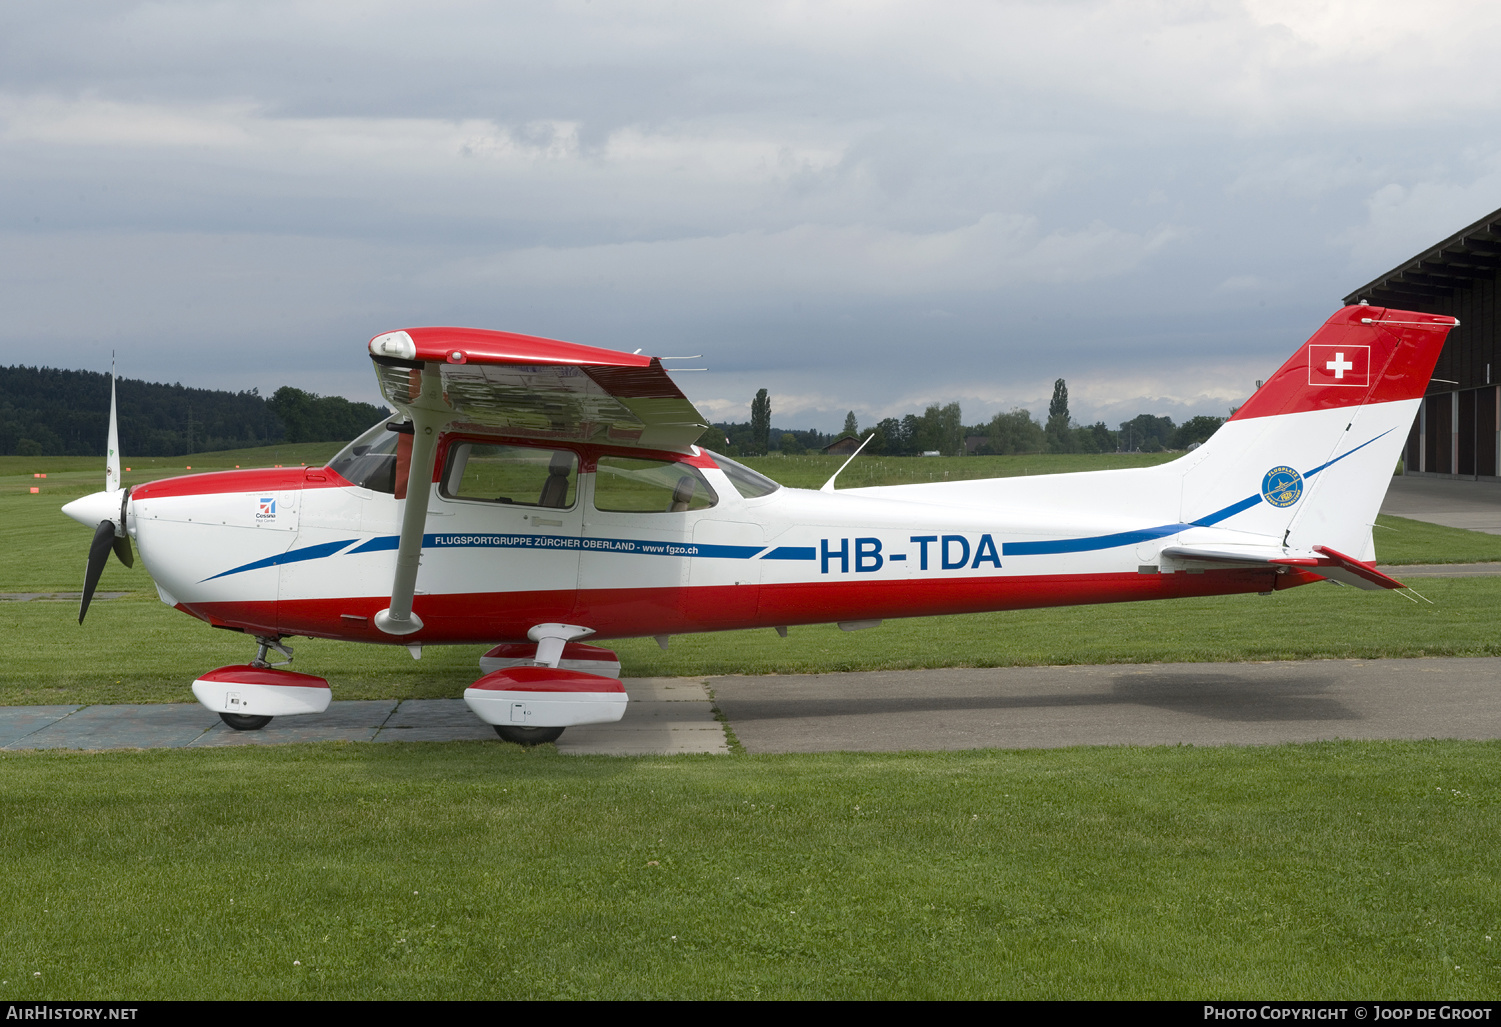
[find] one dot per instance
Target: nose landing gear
(246, 697)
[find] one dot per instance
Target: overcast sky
(871, 205)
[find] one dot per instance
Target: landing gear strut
(265, 645)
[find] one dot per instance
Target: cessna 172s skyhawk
(534, 493)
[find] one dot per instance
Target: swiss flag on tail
(1361, 355)
(1339, 365)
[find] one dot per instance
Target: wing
(444, 378)
(539, 388)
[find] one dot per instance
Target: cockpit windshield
(370, 460)
(747, 482)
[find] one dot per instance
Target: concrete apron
(665, 715)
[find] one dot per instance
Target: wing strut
(429, 415)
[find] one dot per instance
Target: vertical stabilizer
(1307, 460)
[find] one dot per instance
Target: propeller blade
(104, 540)
(112, 444)
(122, 541)
(122, 549)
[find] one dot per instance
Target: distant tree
(308, 417)
(790, 443)
(1015, 432)
(1196, 429)
(1147, 433)
(889, 438)
(46, 411)
(911, 435)
(1060, 436)
(761, 423)
(851, 426)
(951, 430)
(1094, 438)
(940, 428)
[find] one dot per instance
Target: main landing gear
(532, 691)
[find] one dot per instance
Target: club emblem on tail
(1282, 486)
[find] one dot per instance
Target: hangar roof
(1471, 254)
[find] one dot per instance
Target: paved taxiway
(955, 708)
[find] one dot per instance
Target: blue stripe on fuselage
(499, 540)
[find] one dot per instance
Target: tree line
(941, 429)
(45, 411)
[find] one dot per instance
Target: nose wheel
(526, 735)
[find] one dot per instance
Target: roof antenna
(828, 486)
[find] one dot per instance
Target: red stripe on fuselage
(631, 612)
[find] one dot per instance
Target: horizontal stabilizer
(1351, 571)
(1323, 561)
(1259, 556)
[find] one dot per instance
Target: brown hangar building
(1455, 434)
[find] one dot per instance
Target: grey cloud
(863, 209)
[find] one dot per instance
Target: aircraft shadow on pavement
(1234, 697)
(1225, 697)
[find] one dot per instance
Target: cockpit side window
(369, 461)
(517, 475)
(636, 485)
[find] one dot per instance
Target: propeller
(107, 537)
(110, 533)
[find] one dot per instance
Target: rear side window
(750, 484)
(519, 475)
(635, 485)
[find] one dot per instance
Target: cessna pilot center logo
(1282, 486)
(267, 511)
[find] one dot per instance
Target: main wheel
(244, 722)
(526, 735)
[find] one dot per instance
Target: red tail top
(1361, 355)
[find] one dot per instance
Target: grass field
(480, 870)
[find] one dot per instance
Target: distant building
(842, 446)
(1456, 431)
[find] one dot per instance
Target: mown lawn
(482, 871)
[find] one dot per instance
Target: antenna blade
(828, 486)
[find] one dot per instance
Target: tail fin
(1307, 461)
